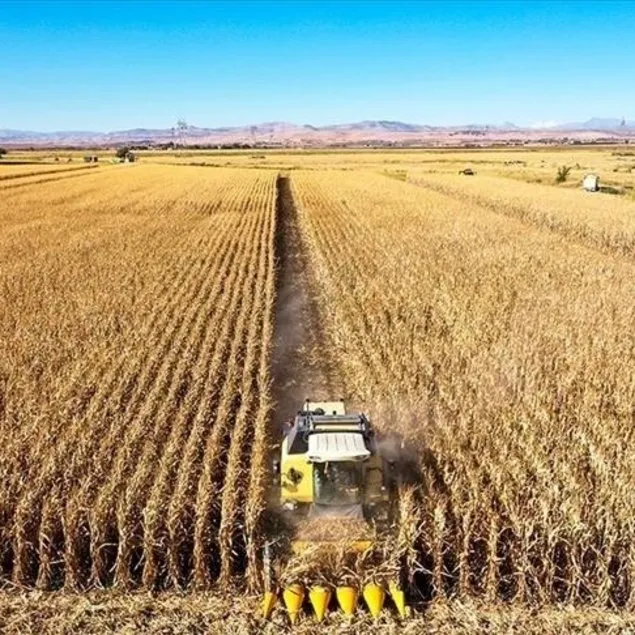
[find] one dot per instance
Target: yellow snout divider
(268, 602)
(398, 597)
(319, 597)
(347, 597)
(374, 595)
(293, 597)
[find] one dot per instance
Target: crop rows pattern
(493, 335)
(604, 222)
(504, 351)
(135, 329)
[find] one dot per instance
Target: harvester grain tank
(330, 468)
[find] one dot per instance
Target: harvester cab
(330, 465)
(330, 471)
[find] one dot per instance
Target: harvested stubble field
(492, 327)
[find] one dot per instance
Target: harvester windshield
(338, 483)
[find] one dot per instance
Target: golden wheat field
(488, 321)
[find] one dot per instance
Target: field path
(300, 366)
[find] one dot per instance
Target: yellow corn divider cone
(398, 597)
(268, 603)
(374, 595)
(319, 597)
(293, 597)
(347, 599)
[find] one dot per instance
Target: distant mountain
(282, 133)
(599, 123)
(66, 136)
(390, 126)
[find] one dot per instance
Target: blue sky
(108, 66)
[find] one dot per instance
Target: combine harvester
(331, 474)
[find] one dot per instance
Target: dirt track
(299, 367)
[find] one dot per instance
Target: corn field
(491, 331)
(504, 351)
(135, 324)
